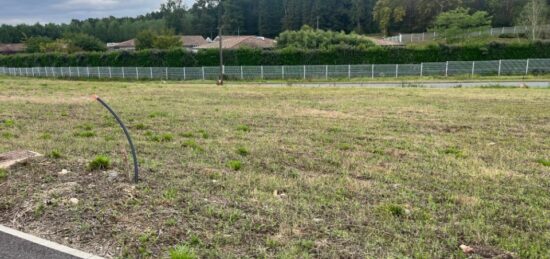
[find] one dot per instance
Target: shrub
(100, 163)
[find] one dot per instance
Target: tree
(145, 40)
(457, 23)
(84, 42)
(534, 15)
(387, 12)
(34, 44)
(308, 38)
(167, 42)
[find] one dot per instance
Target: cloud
(62, 11)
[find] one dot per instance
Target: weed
(170, 194)
(39, 210)
(243, 128)
(55, 154)
(544, 162)
(3, 174)
(85, 134)
(45, 136)
(158, 114)
(394, 210)
(344, 147)
(186, 134)
(141, 126)
(171, 222)
(454, 151)
(191, 144)
(8, 135)
(166, 137)
(204, 134)
(182, 252)
(242, 151)
(99, 163)
(9, 123)
(235, 165)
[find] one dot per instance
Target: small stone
(74, 201)
(466, 249)
(64, 172)
(112, 175)
(407, 212)
(317, 220)
(491, 144)
(214, 181)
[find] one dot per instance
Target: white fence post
(98, 73)
(184, 73)
(151, 72)
(326, 72)
(396, 70)
(70, 73)
(166, 70)
(527, 68)
(499, 67)
(242, 73)
(88, 71)
(110, 73)
(32, 71)
(305, 69)
(61, 70)
(53, 72)
(77, 71)
(473, 68)
(203, 76)
(262, 71)
(447, 69)
(372, 71)
(137, 73)
(123, 74)
(283, 71)
(421, 69)
(349, 71)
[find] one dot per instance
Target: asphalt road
(12, 247)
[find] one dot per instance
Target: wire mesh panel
(434, 69)
(486, 67)
(211, 73)
(385, 70)
(250, 72)
(234, 72)
(273, 72)
(360, 71)
(538, 66)
(513, 67)
(459, 68)
(316, 72)
(194, 73)
(409, 70)
(338, 71)
(294, 72)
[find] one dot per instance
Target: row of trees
(271, 17)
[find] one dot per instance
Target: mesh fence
(427, 36)
(308, 72)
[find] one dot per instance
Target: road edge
(49, 244)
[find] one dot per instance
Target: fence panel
(451, 68)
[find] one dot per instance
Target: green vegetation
(3, 174)
(255, 57)
(182, 252)
(153, 40)
(457, 24)
(330, 173)
(308, 38)
(101, 162)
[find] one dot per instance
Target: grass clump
(243, 128)
(235, 165)
(85, 134)
(3, 174)
(170, 194)
(141, 126)
(182, 252)
(55, 154)
(544, 162)
(100, 163)
(242, 151)
(204, 134)
(9, 123)
(191, 144)
(187, 134)
(454, 151)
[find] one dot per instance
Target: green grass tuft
(243, 128)
(100, 163)
(55, 154)
(544, 162)
(182, 252)
(235, 165)
(3, 174)
(242, 151)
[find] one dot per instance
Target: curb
(48, 244)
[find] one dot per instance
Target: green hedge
(376, 55)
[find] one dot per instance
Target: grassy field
(248, 171)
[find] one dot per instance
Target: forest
(271, 17)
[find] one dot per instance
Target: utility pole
(317, 22)
(220, 34)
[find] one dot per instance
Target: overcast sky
(44, 11)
